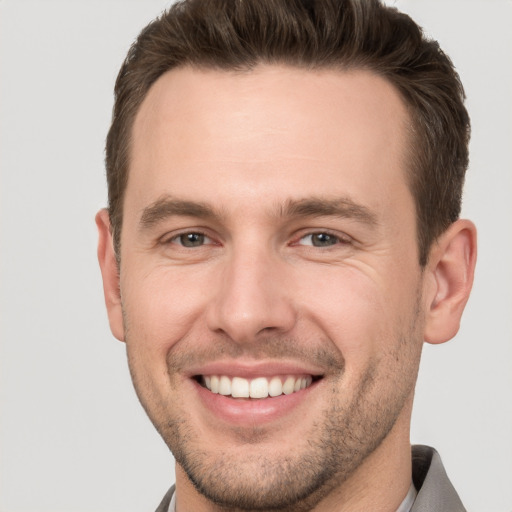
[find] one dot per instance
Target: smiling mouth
(257, 388)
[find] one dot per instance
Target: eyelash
(175, 239)
(338, 239)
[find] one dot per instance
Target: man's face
(269, 247)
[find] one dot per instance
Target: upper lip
(253, 369)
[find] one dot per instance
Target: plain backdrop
(73, 436)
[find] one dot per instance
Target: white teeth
(288, 386)
(214, 381)
(261, 387)
(275, 387)
(224, 386)
(239, 388)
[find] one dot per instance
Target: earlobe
(110, 274)
(451, 269)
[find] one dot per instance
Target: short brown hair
(311, 34)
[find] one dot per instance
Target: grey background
(72, 435)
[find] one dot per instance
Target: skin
(260, 290)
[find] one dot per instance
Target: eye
(321, 239)
(191, 239)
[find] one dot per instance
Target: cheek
(161, 307)
(362, 312)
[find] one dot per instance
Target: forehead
(268, 129)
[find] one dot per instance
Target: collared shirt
(172, 505)
(405, 506)
(408, 502)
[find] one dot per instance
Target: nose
(252, 297)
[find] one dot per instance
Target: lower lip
(251, 412)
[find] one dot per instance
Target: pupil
(192, 239)
(322, 239)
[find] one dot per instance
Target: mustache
(324, 354)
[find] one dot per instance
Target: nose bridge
(251, 297)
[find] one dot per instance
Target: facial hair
(338, 442)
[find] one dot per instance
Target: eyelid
(342, 238)
(171, 237)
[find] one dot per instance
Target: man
(282, 236)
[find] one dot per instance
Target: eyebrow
(345, 207)
(166, 207)
(323, 207)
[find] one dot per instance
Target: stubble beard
(342, 438)
(339, 442)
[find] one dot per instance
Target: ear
(110, 274)
(451, 268)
